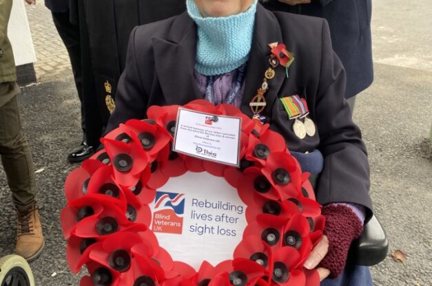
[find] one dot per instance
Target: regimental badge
(108, 87)
(110, 103)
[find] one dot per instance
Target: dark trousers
(15, 151)
(75, 39)
(70, 36)
(353, 275)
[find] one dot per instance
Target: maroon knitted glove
(342, 227)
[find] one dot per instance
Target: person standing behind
(350, 29)
(72, 31)
(95, 34)
(15, 151)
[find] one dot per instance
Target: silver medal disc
(299, 129)
(309, 126)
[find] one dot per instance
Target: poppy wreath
(106, 220)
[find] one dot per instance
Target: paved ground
(394, 114)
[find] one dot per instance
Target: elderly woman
(219, 50)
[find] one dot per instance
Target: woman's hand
(318, 254)
(295, 2)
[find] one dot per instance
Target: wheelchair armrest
(372, 246)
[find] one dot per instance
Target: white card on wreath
(208, 136)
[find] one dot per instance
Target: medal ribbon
(294, 106)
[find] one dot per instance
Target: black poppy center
(104, 158)
(238, 278)
(84, 212)
(280, 272)
(244, 164)
(297, 203)
(85, 186)
(147, 140)
(144, 281)
(281, 176)
(261, 151)
(124, 138)
(292, 238)
(131, 213)
(85, 243)
(260, 258)
(137, 189)
(204, 282)
(102, 277)
(270, 235)
(171, 127)
(106, 226)
(110, 189)
(272, 207)
(123, 163)
(261, 184)
(120, 260)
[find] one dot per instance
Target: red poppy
(152, 137)
(280, 211)
(284, 174)
(254, 182)
(77, 181)
(129, 161)
(287, 268)
(239, 271)
(82, 210)
(284, 57)
(164, 116)
(255, 249)
(262, 143)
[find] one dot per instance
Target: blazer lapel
(266, 31)
(174, 62)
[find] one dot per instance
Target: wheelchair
(15, 271)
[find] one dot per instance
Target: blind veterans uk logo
(168, 212)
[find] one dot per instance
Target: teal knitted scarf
(224, 43)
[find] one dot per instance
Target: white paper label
(207, 136)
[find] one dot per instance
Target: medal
(299, 129)
(309, 126)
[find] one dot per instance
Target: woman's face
(222, 8)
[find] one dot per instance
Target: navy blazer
(350, 29)
(160, 71)
(57, 6)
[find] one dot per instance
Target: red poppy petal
(297, 277)
(312, 278)
(193, 164)
(216, 169)
(133, 155)
(75, 257)
(206, 271)
(288, 255)
(184, 269)
(86, 281)
(250, 245)
(173, 168)
(157, 179)
(221, 279)
(232, 176)
(201, 105)
(307, 189)
(76, 184)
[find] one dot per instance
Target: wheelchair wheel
(14, 270)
